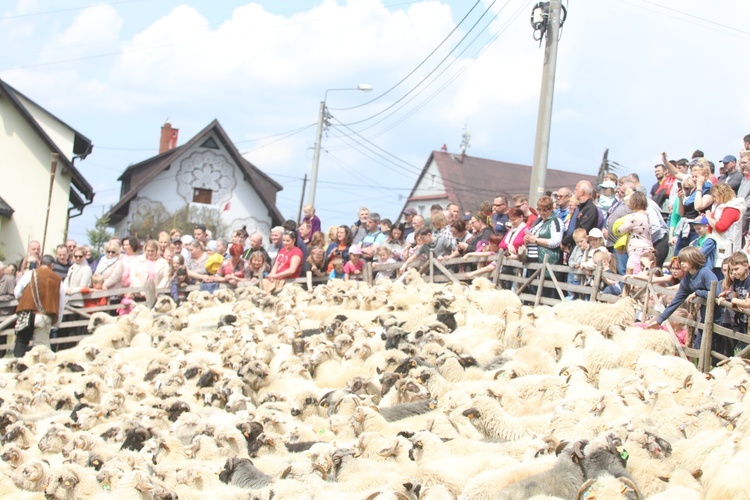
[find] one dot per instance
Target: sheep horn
(584, 487)
(321, 469)
(401, 496)
(371, 496)
(286, 472)
(560, 446)
(688, 382)
(723, 362)
(630, 484)
(389, 452)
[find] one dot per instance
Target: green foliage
(149, 222)
(99, 236)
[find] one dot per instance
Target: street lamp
(323, 122)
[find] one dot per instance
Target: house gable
(207, 172)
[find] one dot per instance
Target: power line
(418, 65)
(697, 17)
(71, 9)
(430, 73)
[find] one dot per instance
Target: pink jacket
(514, 236)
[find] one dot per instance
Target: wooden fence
(535, 283)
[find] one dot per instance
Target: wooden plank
(708, 330)
(444, 270)
(540, 288)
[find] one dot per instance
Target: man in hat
(409, 214)
(41, 292)
(732, 176)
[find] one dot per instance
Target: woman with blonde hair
(726, 221)
(150, 267)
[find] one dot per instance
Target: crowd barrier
(535, 283)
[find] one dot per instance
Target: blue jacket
(700, 283)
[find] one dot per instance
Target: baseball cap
(729, 158)
(410, 211)
(607, 185)
(176, 240)
(699, 220)
(212, 245)
(596, 233)
(355, 249)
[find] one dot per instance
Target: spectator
(353, 268)
(240, 236)
(385, 226)
(726, 221)
(738, 295)
(290, 225)
(305, 233)
(491, 250)
(562, 203)
(500, 215)
(235, 268)
(110, 266)
(164, 242)
(696, 282)
(441, 228)
(521, 201)
(660, 191)
(606, 195)
(288, 263)
(341, 247)
(70, 245)
(544, 237)
(130, 247)
(196, 264)
(706, 244)
(453, 212)
(438, 246)
(318, 240)
(373, 238)
(41, 297)
(417, 223)
(636, 226)
(732, 175)
(409, 215)
(337, 271)
(514, 237)
(257, 268)
(359, 227)
(35, 251)
(200, 234)
(215, 256)
(481, 233)
(576, 258)
(744, 190)
(150, 267)
(7, 282)
(396, 243)
(276, 242)
(384, 258)
(585, 216)
(62, 262)
(316, 263)
(79, 276)
(256, 245)
(310, 217)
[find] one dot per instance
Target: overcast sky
(634, 76)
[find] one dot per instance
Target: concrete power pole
(552, 23)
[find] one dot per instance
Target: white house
(28, 138)
(206, 175)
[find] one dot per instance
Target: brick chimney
(168, 137)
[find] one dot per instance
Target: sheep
(494, 422)
(242, 473)
(70, 482)
(600, 316)
(31, 475)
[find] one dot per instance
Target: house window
(210, 143)
(202, 195)
(432, 181)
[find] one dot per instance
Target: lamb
(71, 482)
(242, 473)
(32, 475)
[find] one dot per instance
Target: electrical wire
(696, 17)
(71, 9)
(428, 74)
(417, 66)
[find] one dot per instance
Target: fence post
(648, 295)
(542, 274)
(368, 273)
(597, 282)
(499, 265)
(708, 329)
(432, 267)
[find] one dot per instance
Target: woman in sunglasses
(79, 275)
(110, 267)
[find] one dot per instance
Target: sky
(636, 76)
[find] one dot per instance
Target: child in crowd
(595, 244)
(127, 304)
(738, 295)
(97, 282)
(257, 268)
(213, 263)
(353, 268)
(384, 257)
(178, 279)
(679, 329)
(576, 257)
(491, 249)
(337, 271)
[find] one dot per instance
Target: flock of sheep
(400, 390)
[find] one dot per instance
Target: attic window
(202, 195)
(432, 181)
(210, 143)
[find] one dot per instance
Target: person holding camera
(340, 247)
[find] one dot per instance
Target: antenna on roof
(465, 138)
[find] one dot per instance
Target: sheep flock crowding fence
(424, 387)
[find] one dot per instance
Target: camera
(32, 265)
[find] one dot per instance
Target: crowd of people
(686, 231)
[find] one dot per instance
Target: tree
(99, 236)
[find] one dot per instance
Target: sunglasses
(110, 252)
(78, 256)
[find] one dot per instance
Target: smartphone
(32, 265)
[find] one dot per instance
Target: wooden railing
(535, 283)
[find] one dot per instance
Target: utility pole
(316, 153)
(547, 19)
